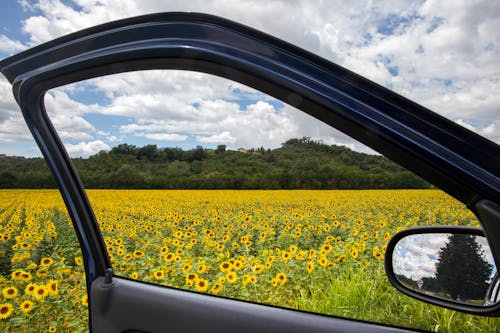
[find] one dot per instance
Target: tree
(149, 152)
(199, 154)
(8, 180)
(461, 269)
(127, 177)
(124, 149)
(220, 149)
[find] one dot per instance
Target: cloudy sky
(416, 256)
(443, 54)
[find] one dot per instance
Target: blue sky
(444, 55)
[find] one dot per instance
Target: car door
(452, 158)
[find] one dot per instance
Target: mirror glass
(451, 266)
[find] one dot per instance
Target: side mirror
(451, 267)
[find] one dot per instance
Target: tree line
(298, 164)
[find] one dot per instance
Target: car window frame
(447, 155)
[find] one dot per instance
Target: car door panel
(127, 305)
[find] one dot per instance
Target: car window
(204, 184)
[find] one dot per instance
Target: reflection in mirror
(457, 267)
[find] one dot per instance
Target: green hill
(297, 164)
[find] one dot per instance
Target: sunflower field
(318, 251)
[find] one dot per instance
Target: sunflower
(25, 276)
(6, 310)
(169, 257)
(286, 256)
(323, 261)
(301, 255)
(281, 277)
(138, 253)
(52, 329)
(248, 278)
(40, 292)
(216, 289)
(354, 253)
(226, 266)
(42, 272)
(16, 275)
(377, 254)
(327, 248)
(191, 278)
(46, 262)
(258, 269)
(9, 292)
(158, 275)
(26, 306)
(52, 287)
(201, 285)
(30, 288)
(231, 277)
(238, 264)
(310, 267)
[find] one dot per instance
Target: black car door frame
(463, 164)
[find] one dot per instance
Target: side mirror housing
(449, 266)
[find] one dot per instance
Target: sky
(444, 55)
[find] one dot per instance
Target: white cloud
(12, 125)
(7, 102)
(67, 116)
(416, 255)
(113, 138)
(464, 124)
(85, 149)
(10, 46)
(165, 136)
(14, 129)
(491, 131)
(224, 137)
